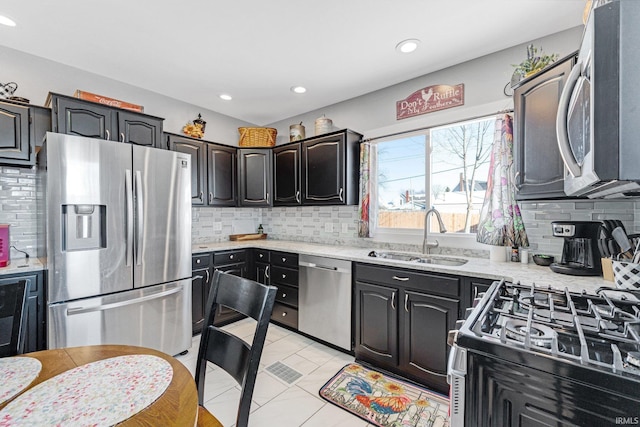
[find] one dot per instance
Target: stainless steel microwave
(598, 121)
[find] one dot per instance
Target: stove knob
(452, 337)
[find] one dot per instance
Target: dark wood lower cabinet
(376, 324)
(425, 322)
(199, 283)
(35, 339)
(402, 318)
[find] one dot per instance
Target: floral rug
(384, 401)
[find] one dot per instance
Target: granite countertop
(475, 267)
(22, 265)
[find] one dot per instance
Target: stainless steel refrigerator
(117, 227)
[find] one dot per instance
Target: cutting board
(254, 236)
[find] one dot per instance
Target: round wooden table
(177, 406)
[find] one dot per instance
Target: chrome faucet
(426, 245)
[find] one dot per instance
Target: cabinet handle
(268, 198)
(231, 256)
(121, 136)
(406, 300)
(393, 300)
(200, 197)
(401, 279)
(197, 277)
(340, 195)
(284, 260)
(284, 295)
(516, 178)
(475, 292)
(108, 134)
(261, 255)
(284, 314)
(284, 276)
(266, 272)
(210, 198)
(197, 261)
(298, 196)
(208, 276)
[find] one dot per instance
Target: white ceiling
(256, 50)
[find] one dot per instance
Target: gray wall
(36, 77)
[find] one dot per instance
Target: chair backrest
(13, 317)
(228, 351)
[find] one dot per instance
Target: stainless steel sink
(425, 259)
(440, 260)
(400, 256)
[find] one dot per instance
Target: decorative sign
(430, 99)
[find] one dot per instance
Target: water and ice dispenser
(84, 227)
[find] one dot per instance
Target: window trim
(419, 125)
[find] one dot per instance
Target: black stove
(544, 356)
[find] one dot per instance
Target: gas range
(594, 330)
(550, 355)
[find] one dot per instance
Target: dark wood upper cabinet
(197, 149)
(254, 177)
(286, 175)
(14, 134)
(221, 175)
(330, 169)
(83, 118)
(538, 167)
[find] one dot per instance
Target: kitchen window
(445, 167)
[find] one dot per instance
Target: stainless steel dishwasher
(324, 299)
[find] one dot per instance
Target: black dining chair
(13, 317)
(228, 351)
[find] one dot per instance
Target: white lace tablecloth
(100, 393)
(16, 373)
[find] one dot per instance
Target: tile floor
(276, 403)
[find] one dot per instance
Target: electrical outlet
(328, 227)
(217, 226)
(345, 227)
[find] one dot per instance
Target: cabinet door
(225, 314)
(14, 135)
(34, 339)
(254, 177)
(221, 175)
(323, 174)
(197, 150)
(376, 324)
(75, 117)
(200, 281)
(286, 175)
(426, 321)
(139, 129)
(539, 170)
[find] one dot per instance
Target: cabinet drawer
(285, 276)
(261, 255)
(200, 261)
(229, 257)
(427, 282)
(287, 295)
(286, 315)
(284, 259)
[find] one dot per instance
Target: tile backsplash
(333, 225)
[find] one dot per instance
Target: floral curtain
(500, 218)
(367, 215)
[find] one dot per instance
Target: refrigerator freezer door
(157, 317)
(87, 239)
(162, 189)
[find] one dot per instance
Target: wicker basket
(257, 137)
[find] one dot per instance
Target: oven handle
(561, 122)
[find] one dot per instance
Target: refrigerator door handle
(80, 310)
(128, 184)
(139, 218)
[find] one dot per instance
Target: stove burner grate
(539, 335)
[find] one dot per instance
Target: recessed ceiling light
(226, 97)
(7, 21)
(298, 89)
(407, 46)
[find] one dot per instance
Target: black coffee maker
(580, 254)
